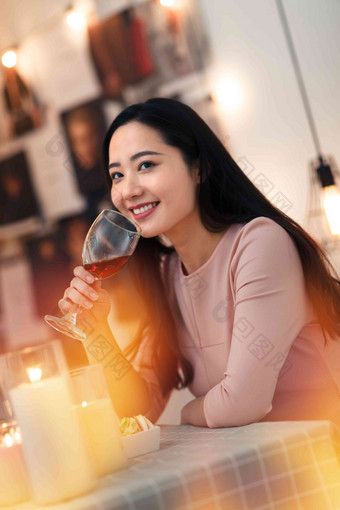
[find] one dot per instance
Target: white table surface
(270, 465)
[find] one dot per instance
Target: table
(269, 465)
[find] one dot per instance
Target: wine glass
(110, 241)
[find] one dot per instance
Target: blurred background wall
(226, 58)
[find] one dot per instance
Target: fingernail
(93, 295)
(89, 278)
(88, 305)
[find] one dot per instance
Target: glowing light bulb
(331, 204)
(8, 440)
(228, 93)
(167, 3)
(34, 374)
(76, 19)
(9, 59)
(84, 403)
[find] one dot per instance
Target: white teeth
(145, 208)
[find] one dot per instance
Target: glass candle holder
(37, 384)
(98, 419)
(14, 486)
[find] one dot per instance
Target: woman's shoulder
(263, 229)
(262, 223)
(264, 242)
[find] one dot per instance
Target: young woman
(243, 306)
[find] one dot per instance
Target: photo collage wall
(135, 54)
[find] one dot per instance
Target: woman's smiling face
(151, 182)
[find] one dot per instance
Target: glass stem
(71, 316)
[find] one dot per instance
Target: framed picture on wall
(50, 268)
(150, 43)
(85, 127)
(23, 112)
(19, 208)
(53, 257)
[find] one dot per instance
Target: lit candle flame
(34, 374)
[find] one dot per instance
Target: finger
(72, 295)
(81, 272)
(97, 285)
(84, 288)
(64, 305)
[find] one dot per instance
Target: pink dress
(246, 325)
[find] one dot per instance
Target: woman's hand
(193, 413)
(86, 292)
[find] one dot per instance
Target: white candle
(13, 481)
(102, 435)
(52, 442)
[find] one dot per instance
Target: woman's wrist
(193, 413)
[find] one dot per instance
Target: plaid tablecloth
(278, 466)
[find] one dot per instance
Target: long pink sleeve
(248, 329)
(270, 304)
(246, 325)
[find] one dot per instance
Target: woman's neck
(195, 246)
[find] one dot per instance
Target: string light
(76, 19)
(9, 59)
(167, 3)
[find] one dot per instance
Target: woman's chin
(148, 235)
(150, 232)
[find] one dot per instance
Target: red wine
(105, 268)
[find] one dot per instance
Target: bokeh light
(9, 59)
(228, 93)
(76, 19)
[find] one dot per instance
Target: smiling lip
(138, 206)
(143, 214)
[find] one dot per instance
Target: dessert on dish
(135, 424)
(139, 435)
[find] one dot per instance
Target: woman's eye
(146, 165)
(116, 175)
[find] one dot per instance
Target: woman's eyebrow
(138, 155)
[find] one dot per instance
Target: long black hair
(226, 196)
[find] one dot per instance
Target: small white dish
(141, 442)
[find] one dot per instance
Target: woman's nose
(131, 187)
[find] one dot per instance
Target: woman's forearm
(128, 390)
(193, 413)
